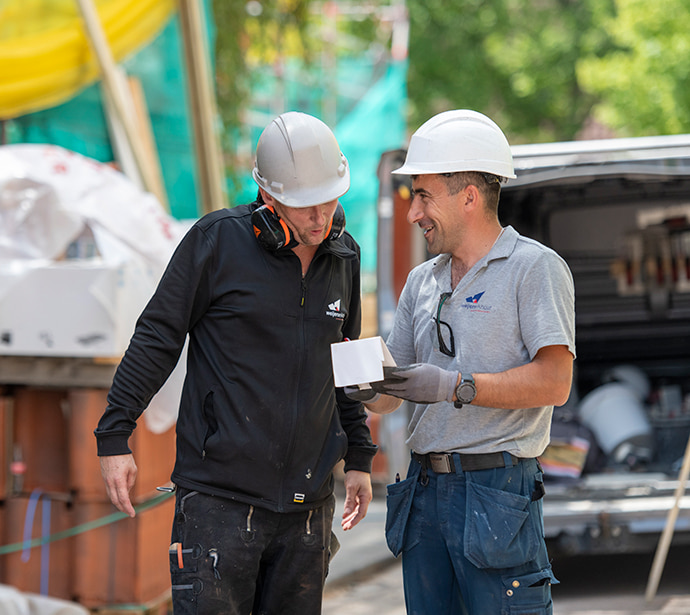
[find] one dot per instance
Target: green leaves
(642, 84)
(542, 69)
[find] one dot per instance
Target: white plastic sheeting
(14, 602)
(62, 210)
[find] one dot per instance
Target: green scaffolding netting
(366, 99)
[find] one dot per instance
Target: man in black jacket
(261, 291)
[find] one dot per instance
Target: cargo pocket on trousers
(186, 587)
(498, 529)
(528, 594)
(398, 503)
(185, 597)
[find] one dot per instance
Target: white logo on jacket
(334, 310)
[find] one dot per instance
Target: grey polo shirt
(516, 300)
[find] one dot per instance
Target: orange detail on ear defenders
(337, 226)
(273, 233)
(269, 228)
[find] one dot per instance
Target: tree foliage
(540, 68)
(272, 32)
(642, 85)
(512, 59)
(232, 84)
(251, 32)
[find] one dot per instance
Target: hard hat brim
(304, 196)
(452, 167)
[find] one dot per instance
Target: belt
(446, 463)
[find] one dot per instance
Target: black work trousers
(231, 558)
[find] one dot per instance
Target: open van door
(618, 211)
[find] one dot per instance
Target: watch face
(466, 392)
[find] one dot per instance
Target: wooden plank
(136, 107)
(667, 535)
(57, 371)
(145, 130)
(116, 90)
(203, 108)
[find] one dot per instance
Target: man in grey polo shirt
(484, 340)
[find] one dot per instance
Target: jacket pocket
(498, 531)
(398, 503)
(210, 420)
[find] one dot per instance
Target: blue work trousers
(472, 542)
(231, 558)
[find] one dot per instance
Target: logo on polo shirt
(472, 303)
(334, 310)
(476, 298)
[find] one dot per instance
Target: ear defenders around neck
(337, 227)
(270, 229)
(273, 233)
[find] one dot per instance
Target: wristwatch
(466, 391)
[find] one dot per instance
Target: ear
(471, 196)
(268, 199)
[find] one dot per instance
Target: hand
(363, 395)
(421, 383)
(119, 473)
(358, 494)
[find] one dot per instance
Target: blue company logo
(476, 298)
(472, 303)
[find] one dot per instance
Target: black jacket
(260, 420)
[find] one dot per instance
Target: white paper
(359, 362)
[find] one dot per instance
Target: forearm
(545, 381)
(141, 373)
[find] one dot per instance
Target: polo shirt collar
(503, 248)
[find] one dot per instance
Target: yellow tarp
(45, 55)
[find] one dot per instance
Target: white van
(618, 211)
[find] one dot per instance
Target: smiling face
(309, 225)
(437, 212)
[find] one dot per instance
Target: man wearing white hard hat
(261, 291)
(484, 340)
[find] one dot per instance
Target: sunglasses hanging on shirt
(443, 334)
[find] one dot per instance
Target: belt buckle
(441, 463)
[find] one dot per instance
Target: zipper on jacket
(288, 498)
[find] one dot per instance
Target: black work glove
(421, 383)
(363, 395)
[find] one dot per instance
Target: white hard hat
(299, 162)
(459, 140)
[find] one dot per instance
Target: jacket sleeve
(180, 299)
(353, 416)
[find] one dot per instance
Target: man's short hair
(488, 185)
